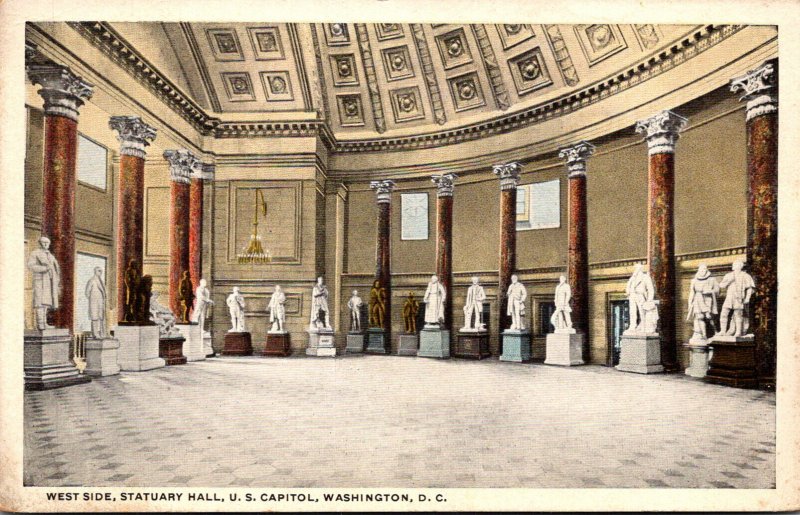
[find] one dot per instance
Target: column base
(238, 344)
(138, 347)
(102, 357)
(376, 341)
(733, 362)
(171, 350)
(640, 354)
(46, 360)
(434, 343)
(320, 344)
(698, 359)
(564, 349)
(516, 346)
(193, 344)
(472, 345)
(355, 343)
(407, 345)
(278, 344)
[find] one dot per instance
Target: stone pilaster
(444, 239)
(509, 179)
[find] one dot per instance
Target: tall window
(414, 221)
(92, 163)
(539, 205)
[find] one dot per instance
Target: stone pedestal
(355, 343)
(472, 345)
(320, 344)
(640, 353)
(564, 348)
(171, 350)
(193, 342)
(238, 344)
(516, 346)
(434, 343)
(46, 361)
(138, 347)
(208, 349)
(102, 357)
(278, 344)
(376, 341)
(733, 361)
(698, 358)
(407, 345)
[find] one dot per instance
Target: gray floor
(379, 421)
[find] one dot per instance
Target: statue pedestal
(320, 343)
(640, 353)
(278, 344)
(733, 361)
(46, 360)
(208, 349)
(355, 343)
(516, 346)
(376, 341)
(564, 348)
(698, 358)
(238, 344)
(407, 345)
(193, 342)
(102, 357)
(434, 343)
(171, 350)
(472, 345)
(138, 347)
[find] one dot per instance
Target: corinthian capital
(63, 91)
(576, 156)
(133, 134)
(383, 189)
(508, 174)
(760, 88)
(662, 131)
(205, 172)
(444, 184)
(182, 164)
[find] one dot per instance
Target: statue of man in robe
(320, 315)
(516, 304)
(354, 304)
(640, 290)
(473, 307)
(96, 296)
(202, 300)
(561, 318)
(277, 311)
(46, 282)
(703, 292)
(740, 286)
(434, 303)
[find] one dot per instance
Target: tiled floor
(378, 421)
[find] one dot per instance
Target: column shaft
(383, 270)
(578, 256)
(444, 253)
(508, 257)
(178, 242)
(130, 222)
(196, 230)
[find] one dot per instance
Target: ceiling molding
(208, 85)
(301, 67)
(372, 81)
(320, 72)
(492, 68)
(428, 72)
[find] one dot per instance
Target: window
(414, 221)
(546, 310)
(539, 205)
(92, 163)
(84, 270)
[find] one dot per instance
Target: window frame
(108, 159)
(524, 223)
(427, 215)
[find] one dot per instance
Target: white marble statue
(740, 286)
(562, 318)
(354, 304)
(641, 291)
(277, 311)
(320, 315)
(235, 302)
(202, 300)
(703, 292)
(473, 308)
(516, 304)
(163, 317)
(46, 282)
(96, 296)
(434, 303)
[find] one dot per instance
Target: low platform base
(407, 345)
(102, 357)
(698, 360)
(434, 343)
(238, 344)
(171, 351)
(355, 343)
(376, 341)
(564, 349)
(278, 344)
(193, 342)
(640, 354)
(733, 362)
(138, 348)
(320, 344)
(46, 360)
(516, 347)
(472, 345)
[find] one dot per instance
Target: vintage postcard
(394, 255)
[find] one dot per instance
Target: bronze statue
(133, 308)
(377, 305)
(145, 292)
(410, 310)
(185, 296)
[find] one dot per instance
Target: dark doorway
(620, 318)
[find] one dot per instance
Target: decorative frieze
(63, 91)
(508, 174)
(561, 52)
(182, 164)
(492, 68)
(133, 134)
(372, 81)
(575, 157)
(383, 190)
(759, 87)
(429, 73)
(445, 184)
(662, 131)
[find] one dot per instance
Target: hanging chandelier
(255, 252)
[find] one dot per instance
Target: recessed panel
(600, 41)
(277, 87)
(453, 48)
(529, 71)
(466, 92)
(397, 63)
(225, 44)
(513, 34)
(388, 31)
(407, 104)
(351, 111)
(337, 34)
(266, 42)
(343, 70)
(238, 86)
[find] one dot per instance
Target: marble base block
(698, 360)
(407, 345)
(138, 347)
(171, 349)
(733, 361)
(320, 344)
(565, 349)
(278, 344)
(376, 341)
(208, 349)
(640, 353)
(193, 342)
(355, 343)
(472, 345)
(516, 346)
(238, 344)
(46, 360)
(434, 343)
(102, 357)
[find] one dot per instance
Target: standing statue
(377, 305)
(46, 282)
(703, 292)
(473, 307)
(516, 304)
(202, 299)
(354, 304)
(144, 295)
(163, 317)
(561, 318)
(96, 296)
(640, 291)
(434, 303)
(235, 302)
(320, 316)
(185, 296)
(277, 311)
(410, 310)
(133, 308)
(740, 286)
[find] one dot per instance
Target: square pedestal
(376, 341)
(472, 345)
(733, 361)
(102, 357)
(193, 342)
(238, 344)
(138, 347)
(278, 344)
(516, 346)
(434, 343)
(407, 345)
(320, 344)
(355, 343)
(698, 360)
(208, 349)
(171, 349)
(640, 353)
(565, 349)
(46, 360)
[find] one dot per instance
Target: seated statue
(163, 317)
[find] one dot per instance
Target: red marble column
(383, 267)
(760, 88)
(509, 178)
(444, 240)
(662, 131)
(63, 93)
(196, 222)
(134, 135)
